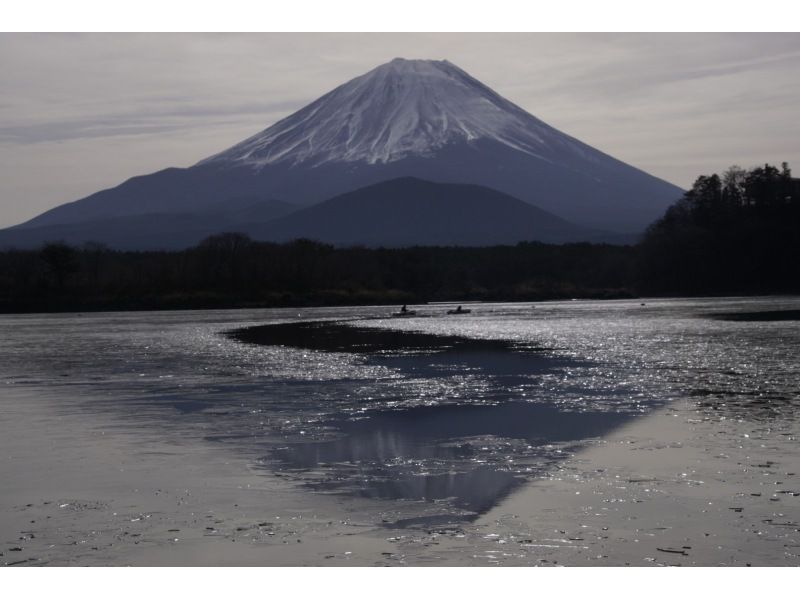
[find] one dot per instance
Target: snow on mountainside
(399, 109)
(423, 119)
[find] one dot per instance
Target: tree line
(231, 270)
(735, 233)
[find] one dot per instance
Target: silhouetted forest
(737, 233)
(230, 270)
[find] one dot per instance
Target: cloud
(155, 120)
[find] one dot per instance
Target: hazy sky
(79, 113)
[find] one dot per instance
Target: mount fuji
(423, 119)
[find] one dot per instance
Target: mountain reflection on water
(467, 455)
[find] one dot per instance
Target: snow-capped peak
(401, 108)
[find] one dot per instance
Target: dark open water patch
(419, 354)
(337, 337)
(786, 315)
(465, 456)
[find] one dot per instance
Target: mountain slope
(400, 109)
(419, 118)
(409, 211)
(432, 120)
(151, 230)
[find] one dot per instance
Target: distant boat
(404, 312)
(458, 310)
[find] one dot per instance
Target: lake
(322, 418)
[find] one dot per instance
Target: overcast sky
(79, 113)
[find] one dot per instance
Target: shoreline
(390, 301)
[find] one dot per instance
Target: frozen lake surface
(411, 423)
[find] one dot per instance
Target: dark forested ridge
(407, 212)
(230, 270)
(730, 234)
(735, 233)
